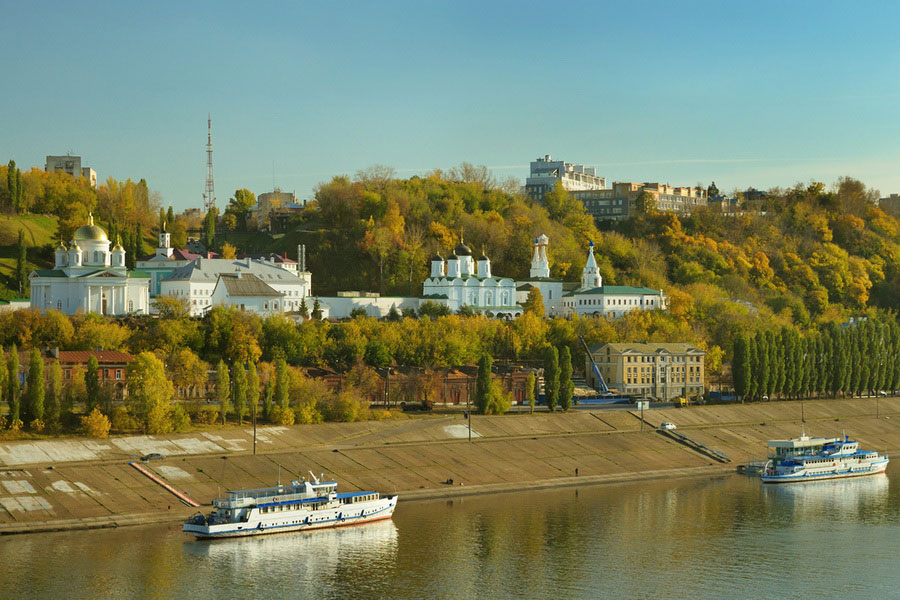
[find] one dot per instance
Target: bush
(96, 424)
(16, 425)
(36, 426)
(181, 420)
(282, 416)
(307, 413)
(343, 408)
(122, 420)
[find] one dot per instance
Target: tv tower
(209, 196)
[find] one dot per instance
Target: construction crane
(604, 389)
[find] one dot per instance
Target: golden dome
(90, 232)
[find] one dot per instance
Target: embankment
(77, 483)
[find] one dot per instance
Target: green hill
(40, 236)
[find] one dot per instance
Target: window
(118, 373)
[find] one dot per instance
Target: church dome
(437, 257)
(462, 250)
(90, 232)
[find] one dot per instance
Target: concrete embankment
(77, 483)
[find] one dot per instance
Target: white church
(89, 278)
(459, 281)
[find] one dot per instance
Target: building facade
(539, 278)
(71, 165)
(88, 277)
(661, 371)
(459, 281)
(620, 201)
(545, 172)
(196, 284)
(613, 301)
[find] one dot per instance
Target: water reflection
(860, 498)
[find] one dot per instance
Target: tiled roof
(103, 356)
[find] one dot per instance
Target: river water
(726, 537)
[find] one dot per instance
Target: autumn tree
(53, 410)
(223, 389)
(566, 385)
(150, 393)
(534, 304)
(92, 382)
(530, 384)
(484, 385)
(252, 388)
(13, 388)
(34, 388)
(21, 265)
(239, 385)
(551, 377)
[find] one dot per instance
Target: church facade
(613, 301)
(539, 278)
(88, 277)
(459, 282)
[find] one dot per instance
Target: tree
(96, 424)
(34, 390)
(170, 216)
(762, 364)
(209, 228)
(484, 383)
(304, 310)
(740, 366)
(566, 385)
(92, 383)
(11, 184)
(534, 304)
(282, 384)
(239, 385)
(551, 377)
(223, 389)
(54, 398)
(13, 388)
(229, 251)
(4, 378)
(529, 390)
(252, 388)
(150, 393)
(317, 310)
(21, 265)
(239, 205)
(645, 204)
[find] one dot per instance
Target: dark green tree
(34, 388)
(92, 383)
(170, 216)
(484, 385)
(771, 364)
(223, 389)
(282, 384)
(239, 385)
(551, 377)
(252, 388)
(762, 361)
(304, 310)
(317, 310)
(754, 368)
(21, 265)
(53, 409)
(13, 387)
(11, 184)
(566, 385)
(209, 229)
(740, 366)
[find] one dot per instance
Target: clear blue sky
(749, 93)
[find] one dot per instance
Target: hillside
(40, 233)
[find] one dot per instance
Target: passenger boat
(306, 504)
(815, 458)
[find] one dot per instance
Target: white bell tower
(540, 263)
(590, 275)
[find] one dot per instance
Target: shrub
(282, 416)
(181, 420)
(307, 413)
(36, 426)
(122, 420)
(16, 425)
(206, 415)
(96, 424)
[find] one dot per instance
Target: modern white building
(595, 299)
(459, 282)
(87, 277)
(199, 284)
(539, 277)
(545, 172)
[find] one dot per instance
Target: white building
(198, 284)
(545, 172)
(88, 277)
(164, 261)
(71, 165)
(595, 299)
(459, 282)
(539, 277)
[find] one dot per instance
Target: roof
(246, 284)
(90, 232)
(618, 289)
(650, 348)
(209, 269)
(103, 356)
(177, 254)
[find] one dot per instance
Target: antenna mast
(209, 195)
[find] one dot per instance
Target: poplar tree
(762, 362)
(551, 377)
(34, 390)
(21, 264)
(252, 388)
(780, 366)
(268, 402)
(92, 383)
(13, 388)
(529, 390)
(771, 364)
(484, 384)
(754, 368)
(4, 378)
(282, 385)
(170, 216)
(20, 193)
(239, 384)
(209, 229)
(11, 184)
(54, 398)
(223, 389)
(566, 385)
(740, 366)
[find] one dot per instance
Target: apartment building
(662, 371)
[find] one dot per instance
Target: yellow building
(662, 371)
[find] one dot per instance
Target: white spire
(590, 275)
(540, 263)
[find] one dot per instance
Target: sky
(758, 94)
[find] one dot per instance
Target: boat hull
(872, 469)
(324, 519)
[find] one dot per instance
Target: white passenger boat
(815, 458)
(306, 504)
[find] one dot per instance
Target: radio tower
(209, 196)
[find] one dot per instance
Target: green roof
(619, 289)
(139, 274)
(49, 273)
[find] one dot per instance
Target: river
(726, 537)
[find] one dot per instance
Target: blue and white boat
(302, 505)
(815, 458)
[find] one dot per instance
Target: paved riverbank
(68, 484)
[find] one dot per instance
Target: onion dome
(90, 232)
(61, 247)
(453, 257)
(118, 247)
(462, 250)
(73, 245)
(437, 257)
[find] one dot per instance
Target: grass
(40, 236)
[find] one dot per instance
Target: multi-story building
(269, 202)
(620, 201)
(662, 371)
(71, 165)
(890, 205)
(545, 172)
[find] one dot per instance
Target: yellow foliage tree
(96, 424)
